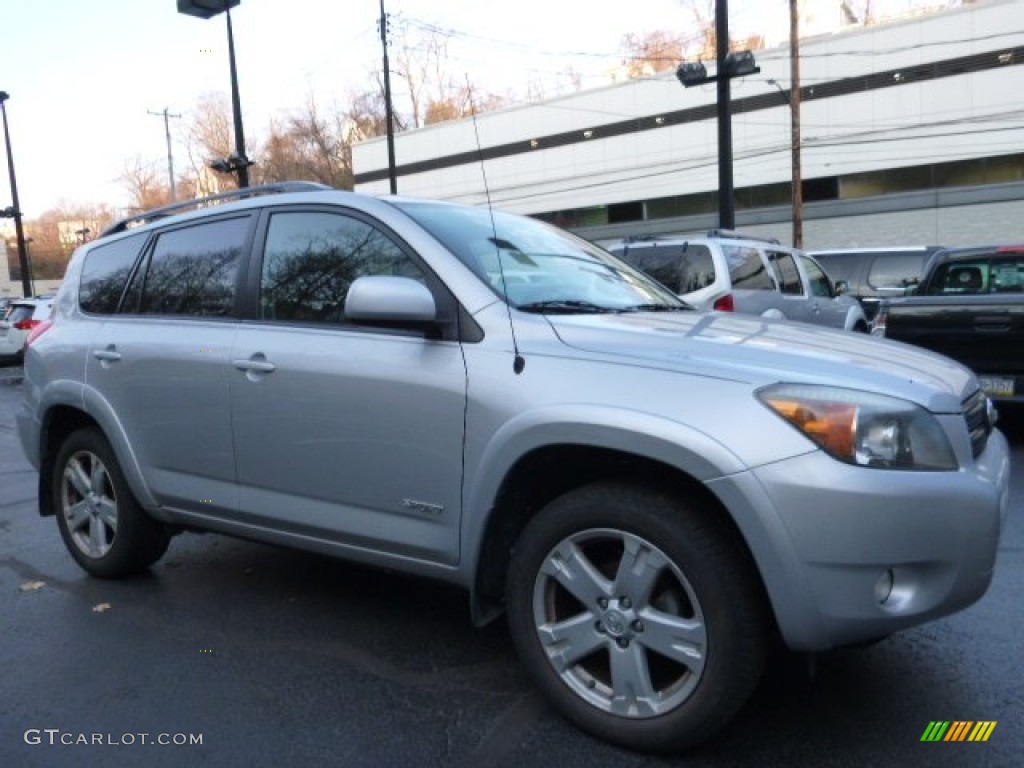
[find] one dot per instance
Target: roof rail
(733, 234)
(201, 202)
(642, 238)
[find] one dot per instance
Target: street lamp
(730, 64)
(237, 162)
(14, 211)
(31, 277)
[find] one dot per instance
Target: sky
(84, 75)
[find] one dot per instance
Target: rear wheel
(102, 525)
(637, 614)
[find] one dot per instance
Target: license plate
(997, 386)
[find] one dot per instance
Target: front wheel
(637, 614)
(102, 524)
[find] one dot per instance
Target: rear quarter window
(681, 269)
(105, 273)
(896, 270)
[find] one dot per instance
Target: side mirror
(842, 287)
(389, 301)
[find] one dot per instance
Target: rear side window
(785, 268)
(747, 270)
(1007, 275)
(193, 271)
(19, 312)
(680, 268)
(105, 273)
(312, 258)
(896, 271)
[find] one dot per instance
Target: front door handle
(108, 355)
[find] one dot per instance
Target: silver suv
(651, 494)
(732, 272)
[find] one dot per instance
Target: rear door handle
(251, 365)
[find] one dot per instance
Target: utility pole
(170, 157)
(388, 111)
(794, 107)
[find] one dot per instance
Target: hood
(762, 352)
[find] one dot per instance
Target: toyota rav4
(652, 494)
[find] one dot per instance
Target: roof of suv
(711, 234)
(233, 195)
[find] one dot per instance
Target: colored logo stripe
(982, 730)
(958, 730)
(935, 731)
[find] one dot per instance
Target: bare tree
(210, 136)
(144, 183)
(308, 145)
(653, 52)
(55, 233)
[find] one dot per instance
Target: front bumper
(829, 537)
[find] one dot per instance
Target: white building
(912, 132)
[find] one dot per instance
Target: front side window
(105, 273)
(785, 267)
(193, 271)
(747, 269)
(820, 284)
(312, 258)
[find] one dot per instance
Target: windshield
(536, 266)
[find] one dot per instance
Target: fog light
(883, 587)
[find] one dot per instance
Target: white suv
(731, 272)
(20, 318)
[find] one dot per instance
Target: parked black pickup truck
(970, 307)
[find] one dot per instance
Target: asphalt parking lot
(240, 654)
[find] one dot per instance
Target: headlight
(862, 428)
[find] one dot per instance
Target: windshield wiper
(565, 306)
(682, 306)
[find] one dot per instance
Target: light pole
(14, 210)
(237, 162)
(730, 64)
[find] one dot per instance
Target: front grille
(979, 425)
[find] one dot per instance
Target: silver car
(728, 271)
(651, 494)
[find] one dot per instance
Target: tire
(102, 524)
(657, 657)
